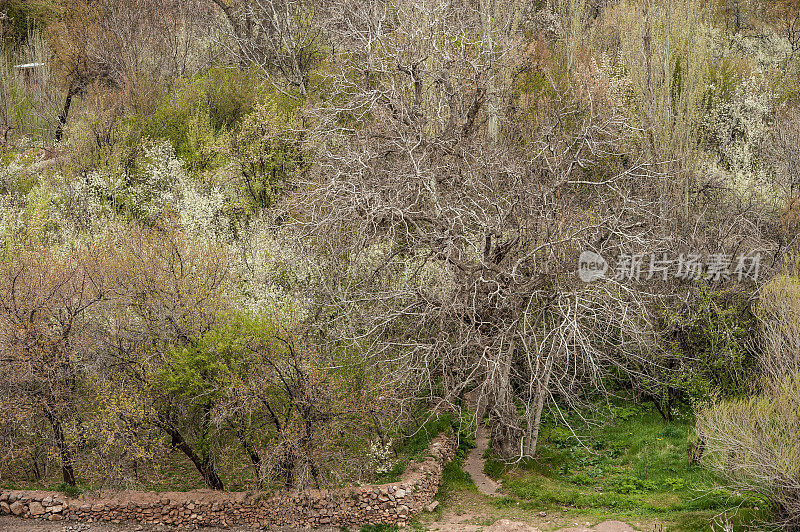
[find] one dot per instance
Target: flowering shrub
(380, 456)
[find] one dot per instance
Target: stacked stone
(394, 503)
(37, 504)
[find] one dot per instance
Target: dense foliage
(272, 242)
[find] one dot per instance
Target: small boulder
(36, 508)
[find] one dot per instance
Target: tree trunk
(535, 421)
(664, 411)
(210, 475)
(204, 465)
(255, 458)
(67, 470)
(503, 419)
(62, 118)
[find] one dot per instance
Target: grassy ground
(631, 464)
(628, 464)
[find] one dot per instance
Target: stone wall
(393, 503)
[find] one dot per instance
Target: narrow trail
(475, 462)
(474, 519)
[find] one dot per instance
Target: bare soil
(474, 463)
(449, 522)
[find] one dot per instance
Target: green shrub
(268, 153)
(708, 354)
(68, 490)
(629, 484)
(625, 413)
(199, 114)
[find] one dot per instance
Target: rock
(613, 526)
(505, 525)
(376, 504)
(36, 508)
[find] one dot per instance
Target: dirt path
(16, 524)
(449, 523)
(477, 523)
(475, 462)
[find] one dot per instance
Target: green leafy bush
(268, 153)
(629, 484)
(199, 114)
(709, 352)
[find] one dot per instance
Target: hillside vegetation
(282, 244)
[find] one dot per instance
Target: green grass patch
(415, 444)
(69, 491)
(494, 468)
(632, 463)
(454, 480)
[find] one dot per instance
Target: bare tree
(284, 39)
(449, 250)
(46, 336)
